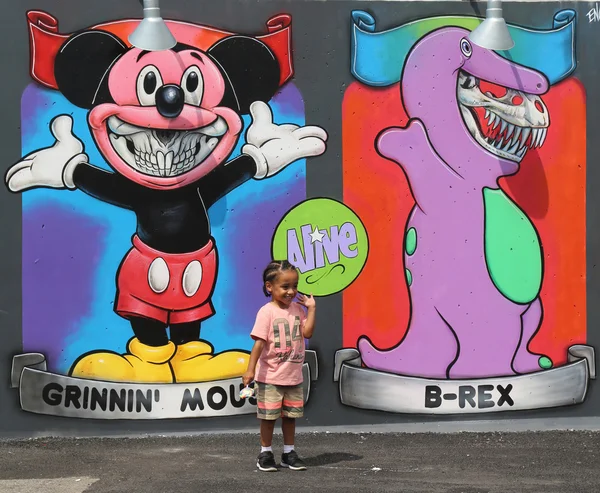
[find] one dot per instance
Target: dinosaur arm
(409, 147)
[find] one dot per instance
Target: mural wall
(431, 193)
(479, 160)
(162, 127)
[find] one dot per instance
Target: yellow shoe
(143, 364)
(195, 362)
(111, 367)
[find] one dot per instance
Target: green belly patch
(411, 241)
(512, 248)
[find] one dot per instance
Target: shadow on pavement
(331, 458)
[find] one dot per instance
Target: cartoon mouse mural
(166, 123)
(473, 259)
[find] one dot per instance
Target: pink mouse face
(166, 128)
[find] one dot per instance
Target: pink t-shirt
(283, 355)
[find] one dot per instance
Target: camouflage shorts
(274, 401)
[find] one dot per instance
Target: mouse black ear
(82, 64)
(250, 70)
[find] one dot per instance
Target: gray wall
(321, 53)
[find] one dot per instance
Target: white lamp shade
(493, 32)
(152, 34)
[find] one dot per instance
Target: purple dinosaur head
(480, 135)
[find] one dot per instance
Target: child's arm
(260, 334)
(309, 325)
(259, 344)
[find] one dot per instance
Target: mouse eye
(193, 85)
(148, 82)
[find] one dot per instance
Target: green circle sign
(326, 241)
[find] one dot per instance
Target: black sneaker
(292, 461)
(266, 462)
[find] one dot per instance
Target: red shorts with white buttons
(171, 288)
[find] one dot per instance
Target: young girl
(276, 361)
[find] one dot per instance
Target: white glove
(51, 167)
(273, 147)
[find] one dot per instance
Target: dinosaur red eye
(494, 89)
(539, 106)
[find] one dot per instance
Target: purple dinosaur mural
(474, 260)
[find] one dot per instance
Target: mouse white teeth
(161, 153)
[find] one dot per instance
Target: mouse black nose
(170, 100)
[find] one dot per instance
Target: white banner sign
(371, 389)
(43, 392)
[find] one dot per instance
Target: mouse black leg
(149, 332)
(185, 332)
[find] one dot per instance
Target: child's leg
(266, 432)
(269, 400)
(288, 427)
(293, 408)
(266, 460)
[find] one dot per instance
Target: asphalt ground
(540, 462)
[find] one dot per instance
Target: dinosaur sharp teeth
(544, 134)
(503, 127)
(487, 114)
(534, 137)
(510, 130)
(514, 148)
(525, 135)
(540, 136)
(516, 135)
